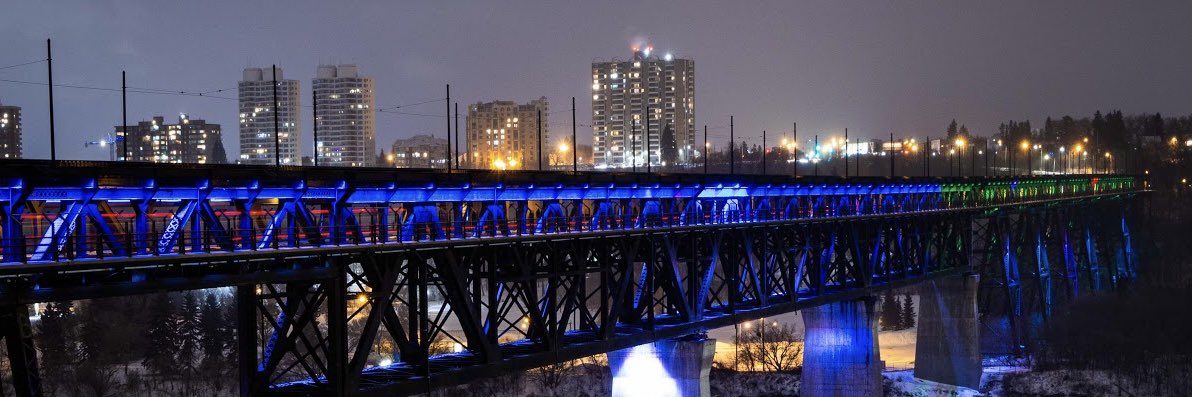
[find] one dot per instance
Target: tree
(952, 131)
(189, 331)
(162, 336)
(228, 331)
(769, 347)
(57, 339)
(189, 336)
(218, 154)
(908, 312)
(211, 331)
(890, 317)
(670, 148)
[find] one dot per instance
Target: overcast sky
(875, 67)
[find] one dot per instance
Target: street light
(959, 143)
(1026, 147)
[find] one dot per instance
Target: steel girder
(421, 319)
(1037, 257)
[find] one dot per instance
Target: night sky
(875, 67)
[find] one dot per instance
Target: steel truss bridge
(382, 281)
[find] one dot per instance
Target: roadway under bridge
(383, 281)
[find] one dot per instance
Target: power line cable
(22, 64)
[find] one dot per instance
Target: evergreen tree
(228, 333)
(964, 132)
(93, 335)
(189, 332)
(218, 154)
(56, 337)
(889, 317)
(670, 148)
(162, 336)
(211, 336)
(952, 131)
(1098, 125)
(908, 312)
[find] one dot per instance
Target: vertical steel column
(246, 339)
(337, 334)
(22, 354)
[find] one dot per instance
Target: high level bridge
(383, 281)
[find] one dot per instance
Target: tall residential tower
(621, 90)
(504, 134)
(256, 118)
(345, 118)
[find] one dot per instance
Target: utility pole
(50, 84)
(846, 152)
(276, 123)
(575, 148)
(633, 143)
(455, 155)
(927, 157)
(124, 109)
(448, 130)
(892, 153)
(815, 150)
(795, 138)
(763, 152)
(539, 138)
(706, 149)
(732, 144)
(314, 102)
(646, 120)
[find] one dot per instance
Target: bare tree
(769, 347)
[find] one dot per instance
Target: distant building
(189, 141)
(621, 90)
(256, 118)
(346, 117)
(504, 134)
(10, 131)
(418, 151)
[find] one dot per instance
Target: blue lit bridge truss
(400, 281)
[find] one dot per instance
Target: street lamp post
(1026, 147)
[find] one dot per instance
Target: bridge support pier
(947, 349)
(840, 352)
(671, 367)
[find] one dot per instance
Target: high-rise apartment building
(621, 90)
(189, 141)
(504, 134)
(419, 151)
(345, 117)
(257, 123)
(10, 131)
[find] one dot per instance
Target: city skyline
(875, 69)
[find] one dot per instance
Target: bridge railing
(95, 221)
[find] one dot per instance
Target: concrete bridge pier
(947, 349)
(664, 368)
(840, 351)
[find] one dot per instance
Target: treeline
(1112, 131)
(175, 343)
(895, 314)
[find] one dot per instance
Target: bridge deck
(511, 270)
